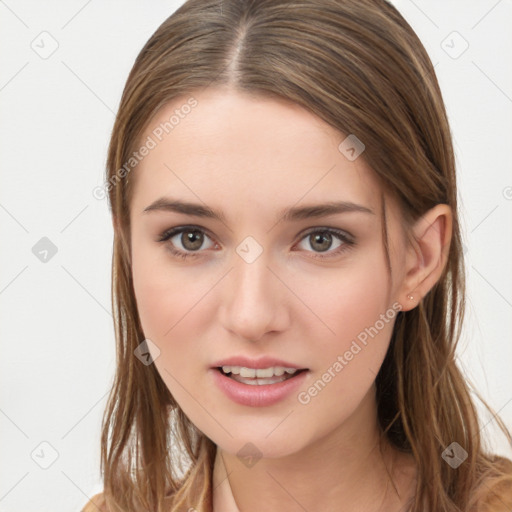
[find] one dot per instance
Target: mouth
(260, 376)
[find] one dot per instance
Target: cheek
(155, 306)
(348, 300)
(160, 292)
(172, 304)
(154, 302)
(167, 305)
(356, 325)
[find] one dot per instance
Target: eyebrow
(288, 214)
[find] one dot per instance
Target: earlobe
(427, 254)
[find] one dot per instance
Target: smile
(263, 386)
(259, 376)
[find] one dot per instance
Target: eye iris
(324, 240)
(192, 240)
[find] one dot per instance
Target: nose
(254, 301)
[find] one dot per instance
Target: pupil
(317, 241)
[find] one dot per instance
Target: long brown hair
(360, 67)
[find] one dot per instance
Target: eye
(322, 240)
(186, 241)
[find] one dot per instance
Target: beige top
(95, 504)
(498, 499)
(221, 493)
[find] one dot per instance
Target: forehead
(232, 150)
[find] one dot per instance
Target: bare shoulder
(95, 504)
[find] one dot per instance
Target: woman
(288, 279)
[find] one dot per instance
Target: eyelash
(348, 241)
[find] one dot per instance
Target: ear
(426, 255)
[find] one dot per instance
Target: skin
(250, 157)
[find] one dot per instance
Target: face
(256, 287)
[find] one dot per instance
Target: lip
(257, 396)
(262, 362)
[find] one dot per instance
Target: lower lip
(257, 396)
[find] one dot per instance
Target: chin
(257, 445)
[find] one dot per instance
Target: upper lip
(260, 363)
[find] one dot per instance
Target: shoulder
(95, 504)
(98, 503)
(498, 500)
(497, 488)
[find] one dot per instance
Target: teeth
(258, 373)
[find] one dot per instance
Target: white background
(57, 342)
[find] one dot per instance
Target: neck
(349, 466)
